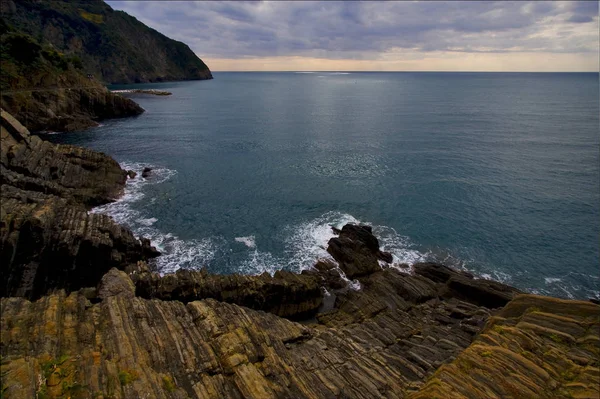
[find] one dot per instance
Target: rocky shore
(67, 109)
(143, 91)
(84, 316)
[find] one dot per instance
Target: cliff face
(47, 90)
(112, 45)
(47, 238)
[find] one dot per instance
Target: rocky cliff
(84, 316)
(47, 90)
(385, 340)
(47, 238)
(112, 45)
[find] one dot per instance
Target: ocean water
(497, 173)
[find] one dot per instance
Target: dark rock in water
(386, 257)
(116, 283)
(75, 173)
(356, 250)
(595, 300)
(131, 174)
(146, 172)
(47, 238)
(148, 250)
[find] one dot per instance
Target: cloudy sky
(380, 36)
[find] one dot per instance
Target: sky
(380, 35)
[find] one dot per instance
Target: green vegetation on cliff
(26, 63)
(47, 89)
(112, 45)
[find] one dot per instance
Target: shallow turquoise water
(496, 173)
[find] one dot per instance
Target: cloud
(368, 30)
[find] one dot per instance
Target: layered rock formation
(284, 294)
(536, 347)
(83, 316)
(47, 238)
(129, 347)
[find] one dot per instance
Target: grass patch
(127, 376)
(88, 16)
(168, 384)
(486, 354)
(51, 365)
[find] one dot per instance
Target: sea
(494, 173)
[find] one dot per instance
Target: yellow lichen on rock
(536, 347)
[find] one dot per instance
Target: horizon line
(374, 71)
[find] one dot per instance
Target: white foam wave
(249, 241)
(260, 262)
(147, 222)
(550, 280)
(176, 253)
(308, 242)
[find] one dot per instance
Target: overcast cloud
(372, 30)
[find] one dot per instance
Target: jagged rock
(131, 174)
(67, 109)
(32, 164)
(536, 347)
(146, 172)
(129, 347)
(47, 238)
(462, 285)
(116, 282)
(285, 294)
(329, 273)
(434, 271)
(46, 243)
(356, 250)
(148, 251)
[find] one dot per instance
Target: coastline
(125, 331)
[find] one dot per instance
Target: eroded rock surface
(284, 294)
(536, 347)
(382, 341)
(105, 326)
(47, 238)
(130, 347)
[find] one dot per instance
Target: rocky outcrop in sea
(68, 108)
(84, 316)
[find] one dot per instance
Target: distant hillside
(112, 45)
(48, 90)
